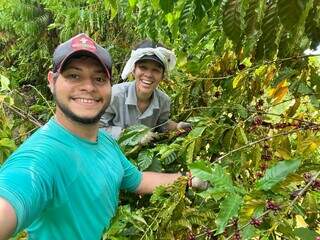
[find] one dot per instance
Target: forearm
(8, 220)
(170, 125)
(151, 180)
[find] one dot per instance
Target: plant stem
(253, 143)
(303, 190)
(22, 114)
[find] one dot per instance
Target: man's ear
(51, 80)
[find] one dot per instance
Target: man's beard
(84, 120)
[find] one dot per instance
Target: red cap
(81, 44)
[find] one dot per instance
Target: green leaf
(197, 132)
(113, 6)
(7, 143)
(190, 150)
(200, 10)
(242, 111)
(241, 136)
(201, 170)
(277, 173)
(166, 5)
(248, 232)
(228, 138)
(229, 208)
(217, 176)
(252, 17)
(169, 157)
(133, 135)
(290, 12)
(305, 233)
(4, 83)
(267, 44)
(232, 20)
(133, 3)
(312, 26)
(155, 166)
(145, 159)
(221, 180)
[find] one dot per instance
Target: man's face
(147, 74)
(82, 90)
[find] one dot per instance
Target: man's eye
(101, 79)
(73, 76)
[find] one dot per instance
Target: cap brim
(152, 58)
(82, 53)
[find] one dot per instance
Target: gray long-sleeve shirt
(123, 110)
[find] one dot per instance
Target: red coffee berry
(263, 166)
(255, 222)
(316, 184)
(191, 236)
(307, 177)
(266, 157)
(236, 235)
(266, 146)
(257, 120)
(270, 205)
(209, 232)
(259, 104)
(259, 174)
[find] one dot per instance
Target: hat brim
(152, 58)
(82, 53)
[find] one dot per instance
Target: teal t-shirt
(65, 187)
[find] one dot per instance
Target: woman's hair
(148, 44)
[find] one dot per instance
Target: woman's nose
(148, 72)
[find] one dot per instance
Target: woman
(139, 101)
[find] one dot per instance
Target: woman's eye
(143, 67)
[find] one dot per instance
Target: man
(64, 181)
(140, 101)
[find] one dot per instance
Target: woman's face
(148, 75)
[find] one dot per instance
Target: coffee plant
(244, 81)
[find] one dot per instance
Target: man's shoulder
(46, 139)
(105, 136)
(39, 148)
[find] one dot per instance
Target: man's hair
(55, 76)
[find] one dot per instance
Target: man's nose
(88, 84)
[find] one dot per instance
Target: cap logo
(83, 43)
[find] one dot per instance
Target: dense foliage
(242, 79)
